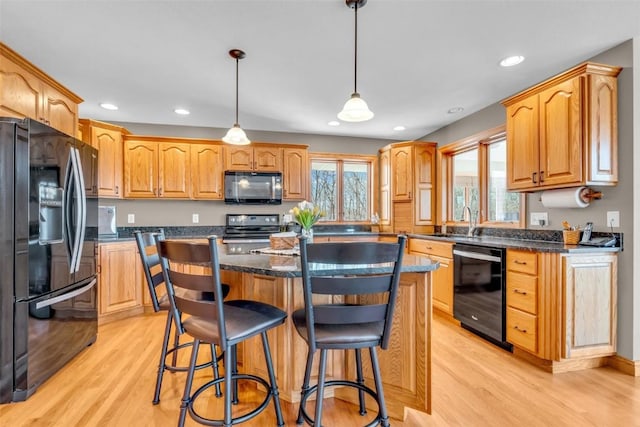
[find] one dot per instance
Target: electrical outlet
(195, 218)
(613, 219)
(131, 218)
(539, 218)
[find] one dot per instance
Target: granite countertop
(515, 243)
(289, 266)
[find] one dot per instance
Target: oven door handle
(476, 255)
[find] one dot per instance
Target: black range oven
(244, 232)
(479, 291)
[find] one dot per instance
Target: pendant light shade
(355, 109)
(235, 135)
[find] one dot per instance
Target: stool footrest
(334, 383)
(172, 368)
(219, 422)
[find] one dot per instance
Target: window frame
(372, 169)
(480, 141)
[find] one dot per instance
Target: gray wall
(618, 198)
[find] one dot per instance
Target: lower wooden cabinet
(120, 280)
(442, 278)
(561, 308)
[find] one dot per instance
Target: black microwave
(244, 187)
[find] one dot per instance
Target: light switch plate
(195, 218)
(613, 218)
(131, 218)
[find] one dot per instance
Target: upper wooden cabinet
(107, 138)
(563, 132)
(156, 167)
(207, 178)
(26, 91)
(267, 158)
(295, 173)
(407, 193)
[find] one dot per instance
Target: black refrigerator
(48, 247)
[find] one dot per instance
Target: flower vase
(308, 233)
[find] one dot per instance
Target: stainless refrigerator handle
(69, 182)
(82, 198)
(66, 296)
(76, 238)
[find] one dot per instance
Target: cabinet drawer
(431, 247)
(522, 329)
(522, 292)
(522, 261)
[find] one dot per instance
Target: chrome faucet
(472, 221)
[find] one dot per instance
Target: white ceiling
(417, 59)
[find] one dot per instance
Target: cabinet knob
(518, 291)
(117, 190)
(519, 262)
(533, 177)
(160, 191)
(541, 176)
(524, 331)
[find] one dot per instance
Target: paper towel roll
(565, 198)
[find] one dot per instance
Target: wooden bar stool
(362, 322)
(225, 324)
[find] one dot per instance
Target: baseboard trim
(559, 366)
(626, 366)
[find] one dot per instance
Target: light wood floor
(474, 384)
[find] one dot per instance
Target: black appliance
(242, 232)
(479, 291)
(48, 242)
(253, 188)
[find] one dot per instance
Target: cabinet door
(522, 144)
(442, 282)
(385, 188)
(140, 169)
(238, 158)
(119, 287)
(561, 134)
(109, 145)
(60, 112)
(295, 173)
(425, 161)
(267, 159)
(590, 292)
(174, 170)
(206, 172)
(20, 92)
(602, 138)
(402, 173)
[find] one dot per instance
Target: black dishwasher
(479, 291)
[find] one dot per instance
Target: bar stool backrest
(150, 260)
(185, 289)
(368, 309)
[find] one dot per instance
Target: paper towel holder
(586, 193)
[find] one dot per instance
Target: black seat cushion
(243, 319)
(340, 334)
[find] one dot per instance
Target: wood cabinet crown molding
(7, 52)
(578, 70)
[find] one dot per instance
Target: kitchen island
(405, 365)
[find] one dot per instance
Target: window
(474, 175)
(342, 187)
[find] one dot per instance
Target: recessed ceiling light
(455, 110)
(182, 111)
(510, 61)
(399, 127)
(334, 123)
(108, 106)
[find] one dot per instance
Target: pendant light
(355, 109)
(235, 135)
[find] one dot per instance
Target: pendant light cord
(355, 56)
(237, 123)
